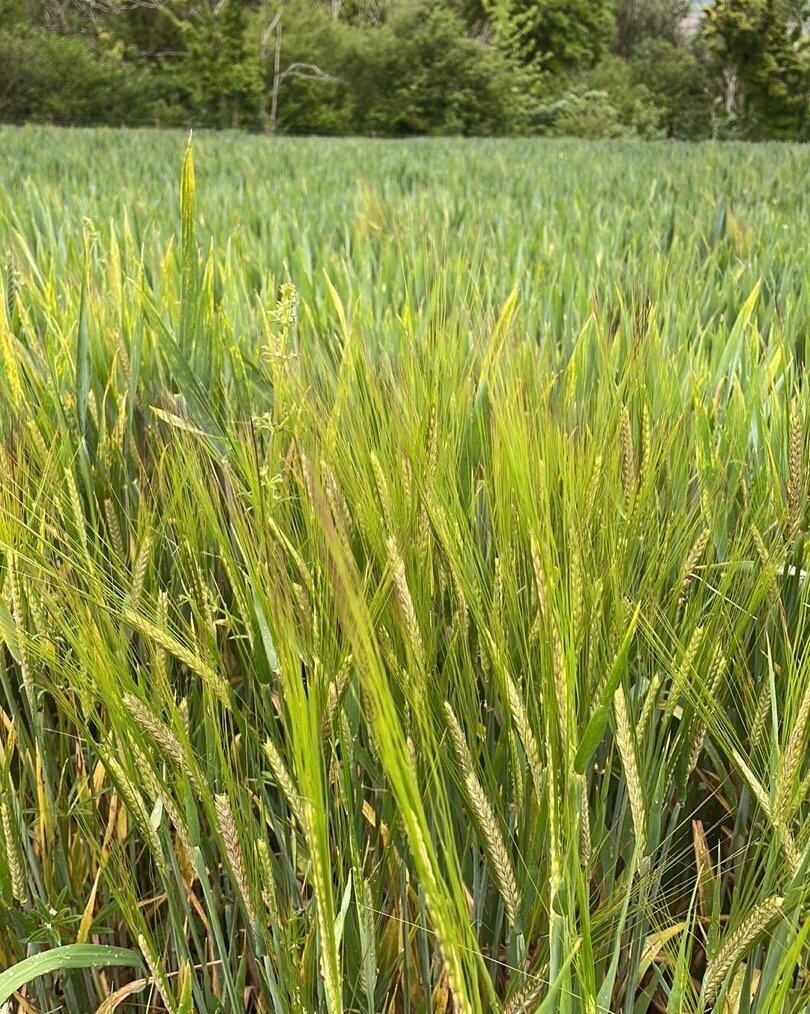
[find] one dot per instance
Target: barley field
(403, 597)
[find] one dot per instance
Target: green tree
(445, 82)
(641, 20)
(634, 104)
(678, 85)
(306, 52)
(227, 72)
(760, 55)
(418, 72)
(554, 37)
(48, 77)
(582, 112)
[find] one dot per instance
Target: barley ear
(14, 860)
(627, 457)
(284, 782)
(488, 826)
(405, 603)
(795, 478)
(786, 798)
(233, 850)
(526, 735)
(736, 943)
(154, 728)
(626, 744)
(159, 977)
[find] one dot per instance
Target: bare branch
(308, 70)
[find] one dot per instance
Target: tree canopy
(738, 68)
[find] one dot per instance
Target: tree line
(590, 68)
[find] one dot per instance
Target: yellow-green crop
(403, 583)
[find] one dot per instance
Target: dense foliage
(594, 68)
(403, 575)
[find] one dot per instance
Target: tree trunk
(730, 88)
(276, 81)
